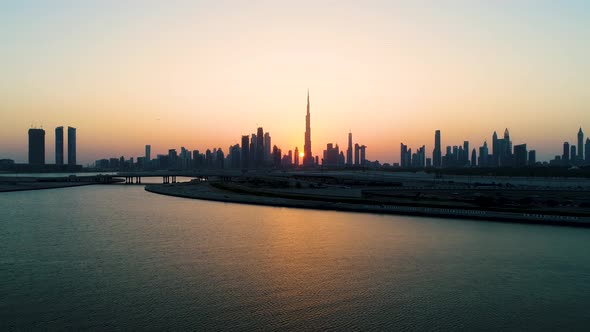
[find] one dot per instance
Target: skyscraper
(267, 156)
(495, 150)
(307, 157)
(566, 153)
(349, 150)
(71, 146)
(587, 151)
(296, 163)
(363, 155)
(520, 155)
(357, 150)
(580, 145)
(36, 146)
(59, 145)
(148, 153)
(245, 151)
(437, 153)
(260, 147)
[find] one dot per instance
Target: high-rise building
(483, 155)
(59, 145)
(566, 153)
(267, 156)
(363, 155)
(245, 158)
(587, 150)
(307, 155)
(573, 157)
(148, 153)
(331, 155)
(520, 155)
(405, 157)
(349, 150)
(437, 153)
(71, 146)
(36, 146)
(495, 149)
(532, 157)
(296, 163)
(465, 154)
(253, 144)
(260, 147)
(473, 158)
(357, 150)
(580, 145)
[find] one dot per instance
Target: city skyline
(402, 72)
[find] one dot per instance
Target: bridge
(171, 176)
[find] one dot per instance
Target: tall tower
(36, 146)
(437, 153)
(349, 150)
(260, 147)
(308, 157)
(71, 146)
(580, 145)
(59, 145)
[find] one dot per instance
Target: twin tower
(37, 146)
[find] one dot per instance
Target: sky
(200, 74)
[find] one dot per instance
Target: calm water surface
(117, 257)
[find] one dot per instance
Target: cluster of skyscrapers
(256, 151)
(37, 147)
(502, 154)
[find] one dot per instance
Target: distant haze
(201, 74)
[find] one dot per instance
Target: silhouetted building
(307, 157)
(580, 145)
(363, 155)
(473, 158)
(148, 152)
(71, 147)
(357, 151)
(465, 154)
(404, 161)
(483, 156)
(245, 151)
(331, 155)
(573, 154)
(520, 155)
(566, 153)
(349, 150)
(532, 157)
(276, 156)
(253, 144)
(437, 153)
(419, 158)
(587, 150)
(36, 146)
(59, 145)
(296, 157)
(495, 150)
(172, 159)
(267, 156)
(260, 147)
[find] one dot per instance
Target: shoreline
(211, 194)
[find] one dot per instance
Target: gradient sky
(201, 74)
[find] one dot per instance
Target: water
(117, 257)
